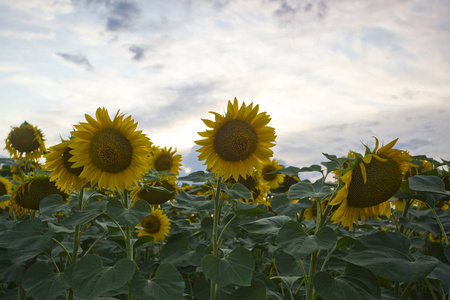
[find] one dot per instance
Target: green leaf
(167, 284)
(447, 252)
(42, 283)
(297, 243)
(282, 205)
(235, 268)
(431, 184)
(269, 225)
(199, 176)
(356, 284)
(249, 209)
(92, 211)
(54, 203)
(305, 189)
(237, 191)
(176, 252)
(386, 255)
(10, 271)
(28, 234)
(292, 171)
(312, 168)
(91, 279)
(442, 273)
(257, 291)
(288, 265)
(128, 216)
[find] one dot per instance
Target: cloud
(138, 52)
(79, 59)
(293, 10)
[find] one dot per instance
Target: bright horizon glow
(331, 74)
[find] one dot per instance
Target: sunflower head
(257, 187)
(112, 153)
(237, 141)
(156, 225)
(25, 141)
(5, 189)
(152, 194)
(57, 161)
(273, 180)
(163, 159)
(369, 182)
(29, 193)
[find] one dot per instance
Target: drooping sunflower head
(113, 153)
(30, 192)
(273, 180)
(237, 142)
(164, 159)
(157, 191)
(5, 189)
(369, 182)
(156, 225)
(25, 141)
(57, 161)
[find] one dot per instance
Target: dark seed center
(110, 151)
(32, 194)
(65, 158)
(235, 140)
(152, 224)
(23, 140)
(163, 163)
(268, 169)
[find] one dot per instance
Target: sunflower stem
(214, 238)
(430, 288)
(440, 225)
(76, 237)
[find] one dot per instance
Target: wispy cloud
(78, 59)
(138, 52)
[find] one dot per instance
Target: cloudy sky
(331, 74)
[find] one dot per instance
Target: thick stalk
(214, 238)
(309, 282)
(76, 237)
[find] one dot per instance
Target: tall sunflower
(164, 159)
(273, 180)
(29, 193)
(155, 224)
(57, 161)
(369, 183)
(25, 141)
(237, 142)
(5, 189)
(112, 152)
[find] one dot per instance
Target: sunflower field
(105, 214)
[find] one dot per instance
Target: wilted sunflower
(57, 161)
(237, 142)
(272, 180)
(153, 195)
(112, 152)
(5, 189)
(369, 183)
(164, 159)
(28, 194)
(25, 141)
(155, 224)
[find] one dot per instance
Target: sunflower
(112, 153)
(155, 224)
(29, 193)
(57, 161)
(369, 183)
(311, 212)
(154, 196)
(257, 187)
(288, 181)
(5, 189)
(25, 141)
(273, 180)
(164, 159)
(237, 142)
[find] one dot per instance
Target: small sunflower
(311, 212)
(57, 161)
(369, 183)
(155, 196)
(256, 186)
(288, 181)
(273, 180)
(164, 159)
(25, 141)
(237, 142)
(112, 152)
(28, 194)
(155, 224)
(5, 189)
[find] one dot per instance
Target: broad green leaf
(356, 284)
(167, 284)
(128, 216)
(386, 255)
(305, 189)
(442, 273)
(235, 268)
(237, 191)
(257, 291)
(42, 283)
(282, 205)
(297, 243)
(249, 209)
(92, 211)
(176, 252)
(345, 241)
(288, 265)
(199, 176)
(28, 234)
(287, 280)
(91, 279)
(10, 271)
(269, 225)
(54, 203)
(431, 184)
(292, 171)
(312, 168)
